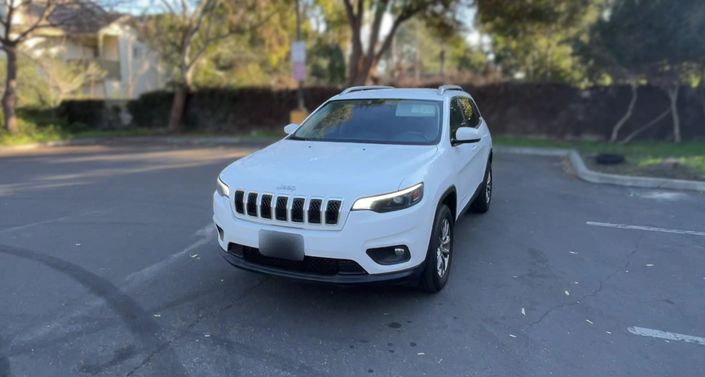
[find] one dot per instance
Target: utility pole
(298, 70)
(300, 92)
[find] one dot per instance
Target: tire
(482, 202)
(609, 158)
(437, 269)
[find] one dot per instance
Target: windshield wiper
(294, 137)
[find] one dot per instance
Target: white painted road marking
(647, 228)
(666, 335)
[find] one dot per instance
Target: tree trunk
(617, 127)
(548, 70)
(645, 127)
(9, 98)
(353, 65)
(178, 105)
(673, 96)
(356, 56)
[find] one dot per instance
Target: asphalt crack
(594, 293)
(188, 329)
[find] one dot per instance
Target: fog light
(390, 254)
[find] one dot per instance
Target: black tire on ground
(609, 158)
(437, 268)
(482, 202)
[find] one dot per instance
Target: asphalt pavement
(109, 267)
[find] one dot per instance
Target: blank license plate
(281, 245)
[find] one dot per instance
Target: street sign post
(298, 60)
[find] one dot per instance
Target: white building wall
(139, 66)
(74, 51)
(140, 69)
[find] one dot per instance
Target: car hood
(328, 169)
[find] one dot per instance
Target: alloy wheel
(488, 186)
(443, 250)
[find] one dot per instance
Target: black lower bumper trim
(397, 276)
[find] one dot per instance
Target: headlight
(393, 201)
(222, 188)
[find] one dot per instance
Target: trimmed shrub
(151, 110)
(551, 110)
(90, 113)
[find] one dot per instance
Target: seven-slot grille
(286, 208)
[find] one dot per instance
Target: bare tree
(35, 15)
(65, 79)
(21, 20)
(186, 30)
(364, 60)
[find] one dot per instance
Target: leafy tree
(533, 37)
(15, 30)
(429, 48)
(326, 63)
(660, 41)
(326, 27)
(185, 31)
(599, 51)
(64, 79)
(363, 59)
(32, 88)
(255, 56)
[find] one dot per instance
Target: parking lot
(109, 266)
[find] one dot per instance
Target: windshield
(385, 121)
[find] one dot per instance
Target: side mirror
(291, 128)
(465, 135)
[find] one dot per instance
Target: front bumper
(399, 276)
(361, 231)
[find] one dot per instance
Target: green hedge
(552, 110)
(88, 114)
(151, 110)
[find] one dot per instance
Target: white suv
(366, 189)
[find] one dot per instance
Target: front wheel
(440, 251)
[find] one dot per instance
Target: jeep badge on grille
(286, 188)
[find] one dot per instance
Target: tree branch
(41, 21)
(210, 40)
(349, 11)
(8, 23)
(403, 17)
(168, 6)
(380, 9)
(645, 127)
(355, 20)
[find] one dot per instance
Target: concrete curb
(604, 178)
(573, 156)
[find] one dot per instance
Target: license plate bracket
(281, 245)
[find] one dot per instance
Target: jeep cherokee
(367, 189)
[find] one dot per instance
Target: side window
(470, 111)
(457, 118)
